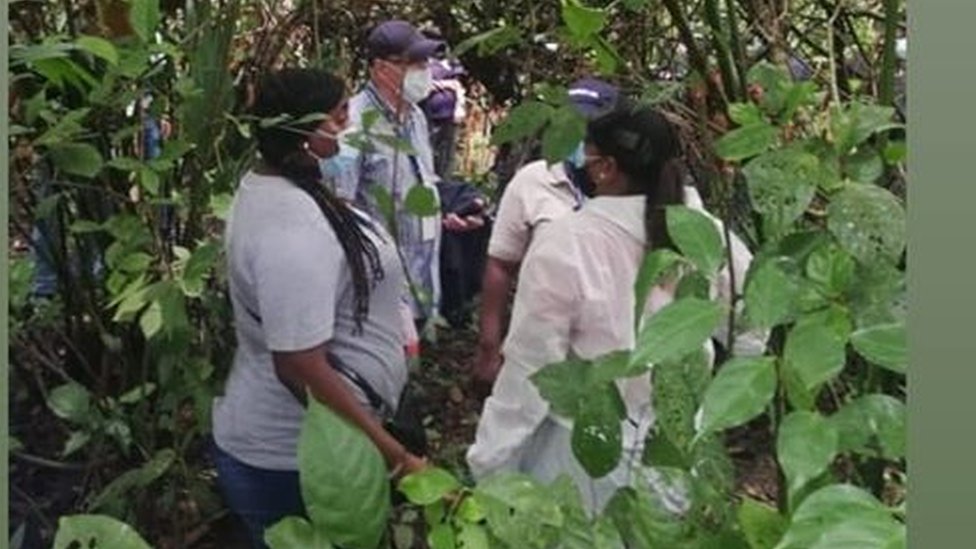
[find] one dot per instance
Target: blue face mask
(578, 157)
(338, 164)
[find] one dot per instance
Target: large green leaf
(565, 131)
(294, 532)
(869, 222)
(676, 330)
(782, 183)
(806, 444)
(490, 42)
(421, 201)
(642, 519)
(653, 267)
(597, 438)
(762, 525)
(885, 345)
(873, 425)
(97, 531)
(740, 391)
(815, 352)
(99, 47)
(696, 236)
(564, 385)
(770, 294)
(831, 269)
(70, 401)
(114, 496)
(746, 142)
(77, 159)
(524, 120)
(864, 166)
(520, 511)
(745, 114)
(679, 387)
(428, 486)
(838, 511)
(145, 17)
(855, 123)
(581, 20)
(775, 82)
(343, 479)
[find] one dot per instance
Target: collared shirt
(397, 172)
(538, 194)
(575, 295)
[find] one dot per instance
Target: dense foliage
(113, 375)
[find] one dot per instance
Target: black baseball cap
(401, 39)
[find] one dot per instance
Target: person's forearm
(495, 287)
(329, 388)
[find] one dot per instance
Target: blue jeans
(260, 497)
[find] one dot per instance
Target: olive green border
(4, 284)
(942, 271)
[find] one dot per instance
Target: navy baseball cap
(401, 39)
(593, 97)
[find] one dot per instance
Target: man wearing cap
(399, 79)
(537, 194)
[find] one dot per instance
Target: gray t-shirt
(287, 267)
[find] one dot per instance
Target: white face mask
(417, 85)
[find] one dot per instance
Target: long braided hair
(298, 93)
(646, 149)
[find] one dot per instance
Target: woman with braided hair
(576, 298)
(316, 289)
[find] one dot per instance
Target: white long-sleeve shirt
(576, 295)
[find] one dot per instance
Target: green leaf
(197, 268)
(441, 536)
(762, 525)
(145, 17)
(740, 391)
(581, 20)
(135, 263)
(836, 511)
(597, 438)
(136, 479)
(75, 442)
(428, 486)
(815, 352)
(565, 131)
(873, 425)
(97, 531)
(77, 158)
(746, 114)
(99, 47)
(776, 84)
(524, 120)
(696, 236)
(782, 183)
(770, 293)
(857, 122)
(896, 152)
(831, 269)
(70, 401)
(642, 519)
(746, 142)
(470, 511)
(385, 205)
(864, 166)
(421, 201)
(520, 511)
(676, 330)
(799, 94)
(869, 222)
(806, 444)
(149, 180)
(660, 451)
(220, 205)
(151, 320)
(885, 345)
(293, 532)
(137, 394)
(490, 42)
(564, 385)
(125, 164)
(653, 267)
(343, 479)
(84, 226)
(694, 284)
(473, 536)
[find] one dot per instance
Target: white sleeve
(297, 276)
(542, 320)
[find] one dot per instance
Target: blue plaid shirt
(398, 171)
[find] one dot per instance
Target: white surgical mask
(417, 85)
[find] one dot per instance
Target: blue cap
(401, 39)
(593, 97)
